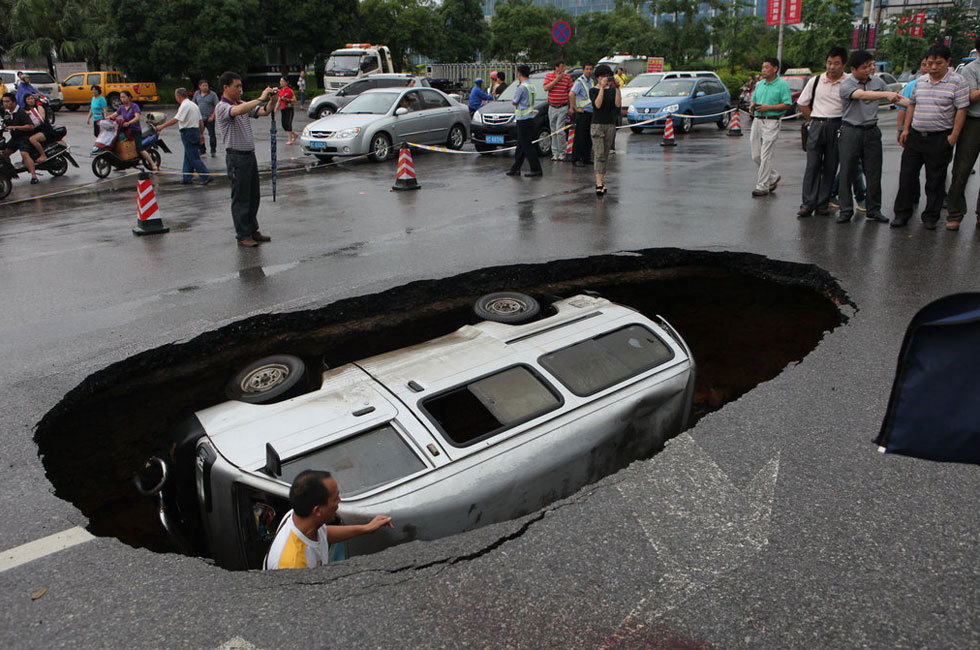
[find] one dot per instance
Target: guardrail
(460, 72)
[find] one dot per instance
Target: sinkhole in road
(744, 316)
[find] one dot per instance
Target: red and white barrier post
(405, 176)
(148, 221)
(668, 140)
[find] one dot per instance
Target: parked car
(695, 97)
(42, 81)
(795, 83)
(330, 103)
(644, 82)
(77, 89)
(893, 84)
(490, 422)
(494, 126)
(377, 120)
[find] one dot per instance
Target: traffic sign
(561, 32)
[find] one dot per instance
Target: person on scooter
(16, 121)
(130, 112)
(43, 131)
(24, 88)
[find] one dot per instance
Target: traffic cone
(668, 140)
(405, 176)
(570, 142)
(148, 220)
(735, 126)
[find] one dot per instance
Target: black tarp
(934, 409)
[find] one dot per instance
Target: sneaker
(760, 192)
(952, 225)
(775, 183)
(834, 202)
(862, 206)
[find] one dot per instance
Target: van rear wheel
(508, 307)
(268, 380)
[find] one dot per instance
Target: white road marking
(236, 643)
(39, 548)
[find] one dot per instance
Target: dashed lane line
(14, 557)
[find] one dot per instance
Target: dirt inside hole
(745, 318)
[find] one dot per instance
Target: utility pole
(782, 21)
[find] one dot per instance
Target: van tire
(268, 380)
(508, 307)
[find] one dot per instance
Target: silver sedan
(377, 120)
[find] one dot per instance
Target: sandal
(35, 181)
(600, 190)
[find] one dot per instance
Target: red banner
(872, 37)
(856, 38)
(793, 10)
(773, 10)
(920, 20)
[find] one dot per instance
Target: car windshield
(537, 91)
(671, 88)
(343, 64)
(40, 78)
(360, 463)
(371, 104)
(645, 80)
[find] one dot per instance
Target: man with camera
(232, 117)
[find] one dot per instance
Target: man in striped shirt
(304, 536)
(935, 118)
(558, 84)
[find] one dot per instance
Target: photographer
(232, 118)
(606, 101)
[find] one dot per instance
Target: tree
(43, 28)
(466, 31)
(403, 25)
(521, 31)
(733, 32)
(956, 22)
(623, 29)
(685, 37)
(826, 23)
(901, 48)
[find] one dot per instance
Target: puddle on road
(744, 316)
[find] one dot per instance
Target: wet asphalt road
(773, 523)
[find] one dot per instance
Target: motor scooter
(118, 155)
(58, 157)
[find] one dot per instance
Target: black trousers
(582, 149)
(526, 147)
(853, 144)
(933, 151)
(821, 163)
(209, 125)
(243, 170)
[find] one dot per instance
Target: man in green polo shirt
(770, 101)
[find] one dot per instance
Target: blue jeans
(857, 183)
(192, 155)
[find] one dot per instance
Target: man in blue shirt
(478, 96)
(524, 114)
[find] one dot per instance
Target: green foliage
(903, 50)
(463, 20)
(625, 29)
(826, 23)
(954, 21)
(39, 28)
(521, 31)
(402, 25)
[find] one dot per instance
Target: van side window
(361, 462)
(467, 414)
(594, 365)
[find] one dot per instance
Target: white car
(42, 81)
(487, 423)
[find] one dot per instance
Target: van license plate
(495, 139)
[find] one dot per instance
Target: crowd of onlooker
(939, 123)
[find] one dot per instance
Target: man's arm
(249, 106)
(958, 122)
(270, 106)
(903, 136)
(548, 85)
(344, 533)
(170, 122)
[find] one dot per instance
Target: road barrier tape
(429, 147)
(66, 190)
(663, 116)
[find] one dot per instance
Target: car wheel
(5, 187)
(58, 166)
(544, 144)
(72, 107)
(482, 147)
(507, 307)
(323, 111)
(57, 108)
(101, 165)
(636, 129)
(456, 138)
(685, 124)
(724, 120)
(114, 101)
(322, 157)
(155, 156)
(380, 147)
(267, 380)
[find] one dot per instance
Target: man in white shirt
(304, 536)
(822, 107)
(191, 127)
